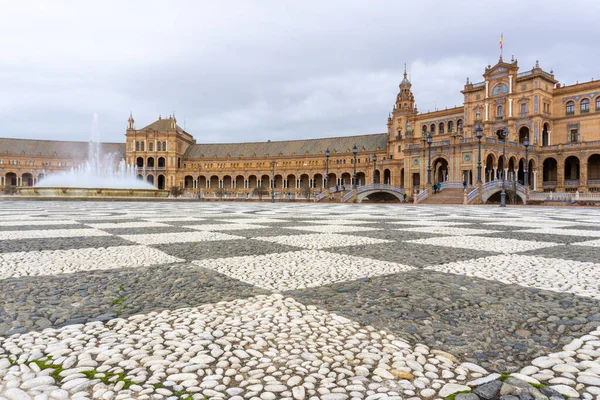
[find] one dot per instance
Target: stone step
(446, 196)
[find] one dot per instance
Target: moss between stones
(107, 378)
(535, 385)
(453, 395)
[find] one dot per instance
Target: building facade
(560, 123)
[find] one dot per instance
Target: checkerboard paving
(567, 276)
(168, 300)
(498, 245)
(448, 230)
(320, 240)
(300, 269)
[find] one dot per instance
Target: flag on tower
(501, 40)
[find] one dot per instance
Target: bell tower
(405, 100)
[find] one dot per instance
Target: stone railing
(321, 195)
(564, 196)
(472, 195)
(451, 185)
(549, 183)
(571, 182)
(422, 196)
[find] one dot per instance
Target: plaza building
(552, 143)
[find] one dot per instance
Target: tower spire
(130, 121)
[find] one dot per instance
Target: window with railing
(570, 108)
(451, 124)
(584, 106)
(441, 128)
(597, 103)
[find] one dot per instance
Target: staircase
(445, 196)
(336, 198)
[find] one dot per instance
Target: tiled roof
(53, 148)
(372, 142)
(162, 125)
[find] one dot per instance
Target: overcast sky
(258, 70)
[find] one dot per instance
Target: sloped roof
(343, 144)
(162, 125)
(53, 148)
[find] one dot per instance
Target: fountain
(100, 175)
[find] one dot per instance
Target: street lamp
(354, 151)
(429, 141)
(526, 144)
(327, 154)
(374, 158)
(503, 134)
(273, 182)
(478, 135)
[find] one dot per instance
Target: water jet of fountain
(102, 171)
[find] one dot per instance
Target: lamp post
(354, 151)
(503, 135)
(526, 144)
(327, 154)
(273, 182)
(429, 141)
(374, 158)
(479, 135)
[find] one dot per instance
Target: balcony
(593, 181)
(570, 113)
(571, 182)
(585, 111)
(500, 117)
(549, 183)
(523, 114)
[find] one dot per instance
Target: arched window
(432, 128)
(137, 146)
(450, 126)
(584, 106)
(459, 125)
(598, 103)
(158, 146)
(570, 108)
(441, 128)
(150, 146)
(424, 130)
(499, 111)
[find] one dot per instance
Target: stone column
(534, 180)
(495, 173)
(583, 177)
(560, 175)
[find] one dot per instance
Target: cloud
(237, 70)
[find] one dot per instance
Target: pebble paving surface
(237, 301)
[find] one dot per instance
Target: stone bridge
(359, 194)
